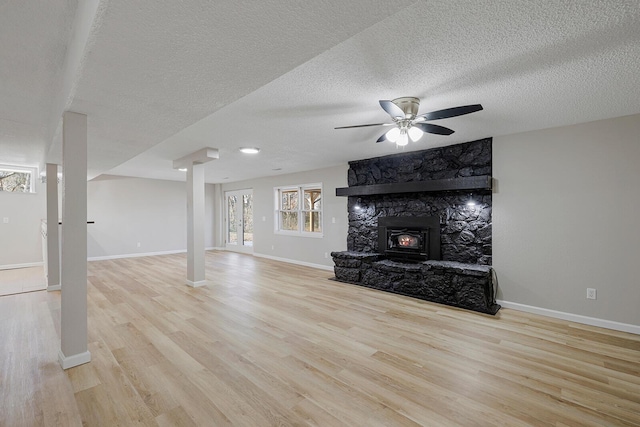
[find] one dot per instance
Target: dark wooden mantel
(469, 183)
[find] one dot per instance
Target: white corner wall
(565, 213)
(303, 250)
(20, 238)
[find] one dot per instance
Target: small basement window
(17, 179)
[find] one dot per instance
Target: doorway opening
(239, 220)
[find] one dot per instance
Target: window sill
(298, 234)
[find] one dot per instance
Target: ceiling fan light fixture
(415, 133)
(403, 139)
(407, 124)
(393, 134)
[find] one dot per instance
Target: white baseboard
(197, 284)
(593, 321)
(25, 265)
(136, 255)
(54, 288)
(70, 361)
(293, 261)
(143, 254)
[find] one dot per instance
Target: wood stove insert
(409, 238)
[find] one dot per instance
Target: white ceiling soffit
(532, 65)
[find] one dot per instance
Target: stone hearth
(445, 282)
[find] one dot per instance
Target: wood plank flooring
(17, 280)
(274, 344)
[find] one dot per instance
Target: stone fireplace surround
(436, 183)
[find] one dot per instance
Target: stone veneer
(465, 232)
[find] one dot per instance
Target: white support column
(73, 317)
(218, 215)
(53, 237)
(194, 164)
(195, 225)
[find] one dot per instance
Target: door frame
(240, 246)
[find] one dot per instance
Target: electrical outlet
(5, 220)
(138, 244)
(326, 254)
(591, 293)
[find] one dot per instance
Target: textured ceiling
(160, 80)
(33, 41)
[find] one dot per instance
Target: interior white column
(195, 225)
(218, 215)
(73, 316)
(53, 237)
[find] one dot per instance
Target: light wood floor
(17, 280)
(269, 343)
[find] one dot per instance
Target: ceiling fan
(409, 125)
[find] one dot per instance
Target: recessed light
(183, 169)
(249, 150)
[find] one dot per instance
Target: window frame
(300, 210)
(31, 170)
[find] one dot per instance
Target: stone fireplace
(420, 225)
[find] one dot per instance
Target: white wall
(565, 218)
(300, 249)
(131, 210)
(20, 239)
(125, 210)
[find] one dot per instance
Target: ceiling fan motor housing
(409, 105)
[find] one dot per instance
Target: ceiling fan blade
(382, 138)
(392, 109)
(363, 126)
(451, 112)
(431, 128)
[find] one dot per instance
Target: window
(17, 179)
(299, 210)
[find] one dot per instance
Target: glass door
(239, 220)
